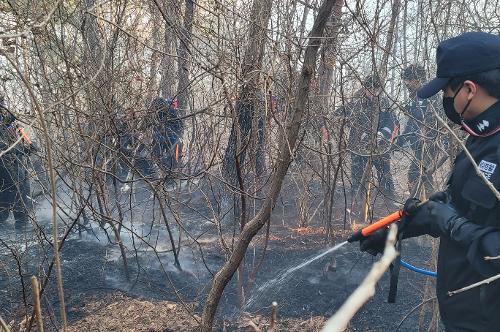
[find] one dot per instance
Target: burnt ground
(93, 274)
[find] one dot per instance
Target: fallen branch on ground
(338, 322)
(4, 326)
(413, 310)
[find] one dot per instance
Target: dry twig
(482, 282)
(4, 326)
(36, 302)
(253, 326)
(338, 322)
(274, 314)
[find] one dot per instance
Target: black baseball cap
(413, 72)
(467, 54)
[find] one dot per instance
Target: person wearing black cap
(420, 131)
(466, 216)
(371, 129)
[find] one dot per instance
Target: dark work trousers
(384, 178)
(164, 150)
(14, 194)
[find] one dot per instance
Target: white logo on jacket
(482, 125)
(488, 168)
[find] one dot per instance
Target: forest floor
(159, 297)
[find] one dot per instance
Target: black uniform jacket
(422, 125)
(367, 118)
(460, 265)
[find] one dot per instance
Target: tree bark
(390, 39)
(184, 63)
(328, 51)
(287, 140)
(167, 64)
(247, 101)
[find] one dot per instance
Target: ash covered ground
(95, 281)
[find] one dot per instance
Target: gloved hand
(412, 205)
(437, 217)
(28, 149)
(374, 243)
(416, 221)
(440, 196)
(446, 221)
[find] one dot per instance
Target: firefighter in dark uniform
(466, 216)
(167, 133)
(370, 134)
(14, 183)
(421, 130)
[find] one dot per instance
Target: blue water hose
(416, 269)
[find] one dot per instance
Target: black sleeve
(482, 241)
(485, 245)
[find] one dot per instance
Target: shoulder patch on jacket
(487, 168)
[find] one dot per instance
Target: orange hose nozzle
(393, 217)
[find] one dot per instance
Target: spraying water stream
(282, 277)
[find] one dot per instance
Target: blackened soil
(320, 288)
(91, 270)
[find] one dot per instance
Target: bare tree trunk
(184, 55)
(305, 14)
(167, 65)
(328, 52)
(151, 89)
(287, 139)
(396, 6)
(325, 81)
(247, 99)
(245, 110)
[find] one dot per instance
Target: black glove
(27, 149)
(374, 243)
(419, 218)
(440, 196)
(446, 221)
(417, 221)
(411, 206)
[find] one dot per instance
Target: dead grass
(118, 312)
